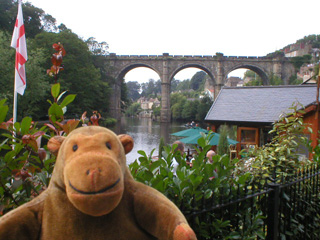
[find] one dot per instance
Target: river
(146, 134)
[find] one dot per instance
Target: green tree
(151, 88)
(189, 110)
(125, 100)
(203, 108)
(6, 22)
(133, 90)
(35, 19)
(275, 80)
(177, 103)
(133, 110)
(293, 80)
(223, 146)
(97, 48)
(174, 85)
(183, 85)
(156, 111)
(313, 39)
(255, 79)
(7, 58)
(197, 81)
(80, 74)
(300, 60)
(31, 103)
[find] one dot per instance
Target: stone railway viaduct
(217, 67)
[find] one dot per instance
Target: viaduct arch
(167, 66)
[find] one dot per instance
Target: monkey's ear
(54, 144)
(127, 142)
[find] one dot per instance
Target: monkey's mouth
(95, 192)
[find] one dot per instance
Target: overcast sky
(185, 27)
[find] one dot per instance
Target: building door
(247, 137)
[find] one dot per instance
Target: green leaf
(3, 112)
(67, 100)
(25, 125)
(208, 193)
(2, 102)
(141, 152)
(9, 156)
(17, 126)
(154, 165)
(55, 90)
(180, 175)
(202, 142)
(148, 175)
(55, 110)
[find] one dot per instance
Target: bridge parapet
(193, 57)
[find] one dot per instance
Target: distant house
(146, 106)
(300, 49)
(234, 82)
(306, 73)
(297, 49)
(254, 109)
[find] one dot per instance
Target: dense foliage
(35, 19)
(85, 69)
(314, 39)
(281, 155)
(223, 145)
(186, 109)
(25, 164)
(300, 60)
(255, 80)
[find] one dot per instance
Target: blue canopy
(213, 141)
(190, 132)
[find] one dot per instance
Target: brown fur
(92, 195)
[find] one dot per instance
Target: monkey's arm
(23, 223)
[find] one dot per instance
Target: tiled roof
(258, 104)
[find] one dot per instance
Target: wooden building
(254, 109)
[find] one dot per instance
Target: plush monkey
(92, 195)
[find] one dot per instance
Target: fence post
(273, 203)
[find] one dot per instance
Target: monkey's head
(91, 168)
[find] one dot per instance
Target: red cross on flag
(19, 43)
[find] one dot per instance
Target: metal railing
(282, 208)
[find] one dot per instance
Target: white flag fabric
(19, 43)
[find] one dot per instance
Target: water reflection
(146, 134)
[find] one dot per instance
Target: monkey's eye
(108, 145)
(75, 147)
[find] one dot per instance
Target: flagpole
(15, 103)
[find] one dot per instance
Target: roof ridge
(273, 86)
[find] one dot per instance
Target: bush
(25, 164)
(280, 156)
(108, 122)
(192, 185)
